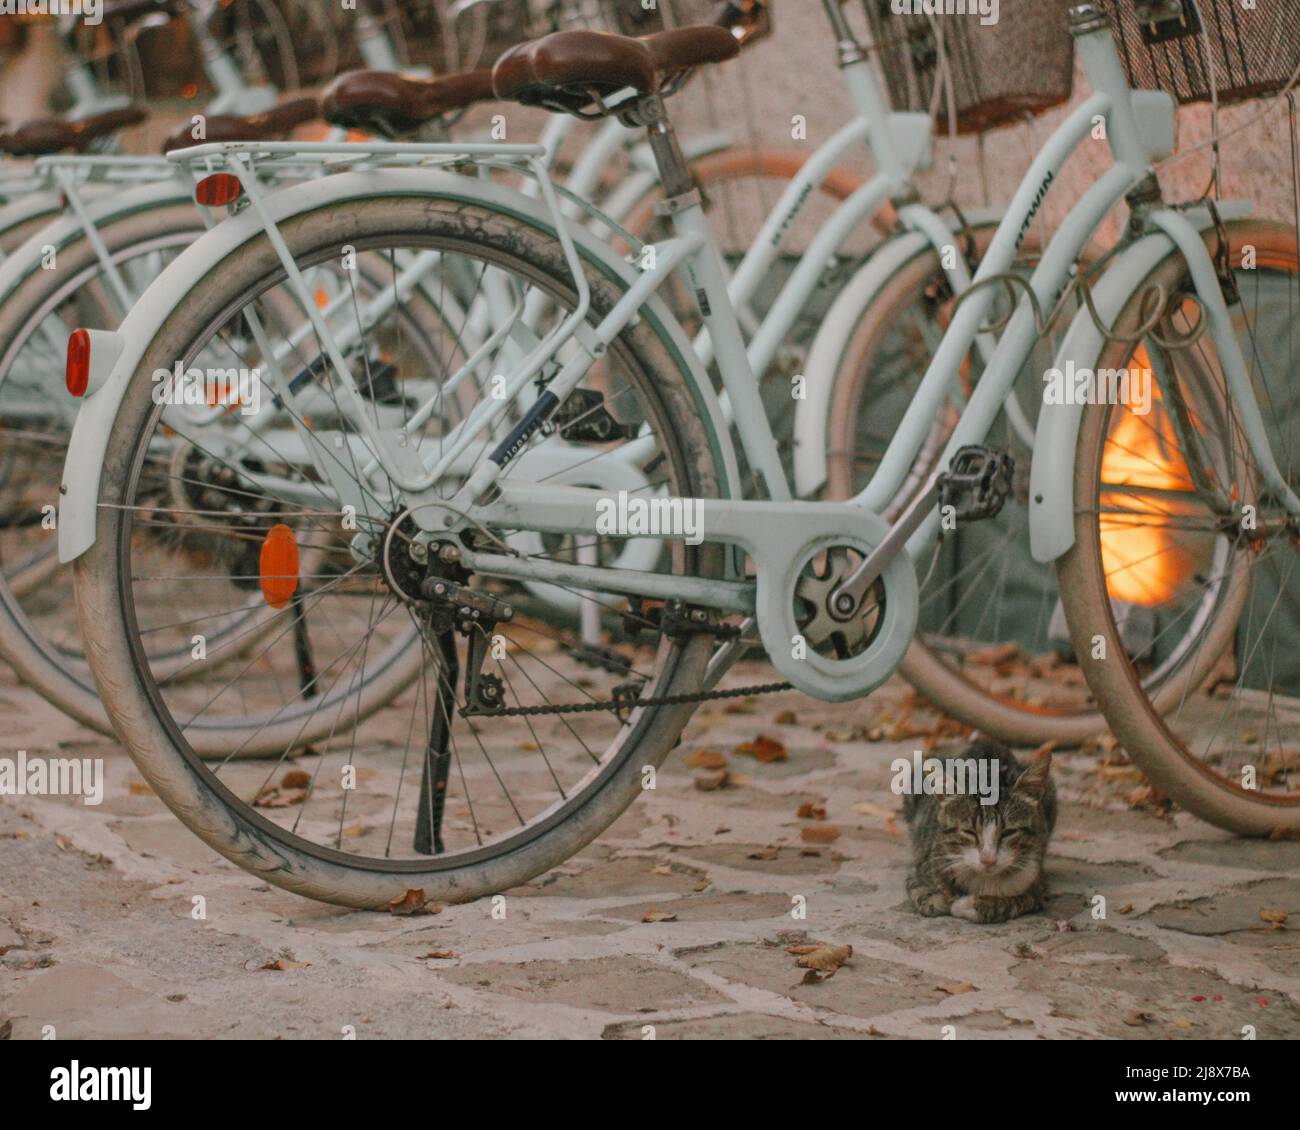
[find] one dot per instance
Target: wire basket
(1023, 64)
(1163, 44)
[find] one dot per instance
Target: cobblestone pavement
(677, 922)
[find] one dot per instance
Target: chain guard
(873, 654)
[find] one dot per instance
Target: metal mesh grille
(1023, 64)
(1254, 52)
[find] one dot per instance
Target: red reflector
(77, 374)
(218, 189)
(278, 566)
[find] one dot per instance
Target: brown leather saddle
(576, 71)
(42, 136)
(569, 70)
(391, 104)
(267, 126)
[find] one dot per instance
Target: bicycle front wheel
(1182, 589)
(986, 651)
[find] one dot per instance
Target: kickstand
(302, 651)
(437, 757)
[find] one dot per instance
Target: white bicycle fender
(1051, 479)
(66, 229)
(80, 490)
(15, 213)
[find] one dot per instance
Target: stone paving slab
(674, 924)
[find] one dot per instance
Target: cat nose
(988, 858)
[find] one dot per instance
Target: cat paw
(964, 907)
(928, 902)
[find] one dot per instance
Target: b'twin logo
(1039, 197)
(102, 1084)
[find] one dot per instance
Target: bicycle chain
(618, 705)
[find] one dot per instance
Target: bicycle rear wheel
(449, 805)
(39, 636)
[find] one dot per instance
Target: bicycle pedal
(583, 418)
(977, 482)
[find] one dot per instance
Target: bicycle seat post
(683, 205)
(674, 174)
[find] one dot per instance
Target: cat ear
(1033, 781)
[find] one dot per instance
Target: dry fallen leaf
(654, 914)
(763, 749)
(810, 810)
(439, 955)
(823, 959)
(995, 655)
(412, 902)
(952, 988)
(867, 808)
(819, 833)
(1127, 908)
(295, 779)
(787, 718)
(275, 797)
(283, 964)
(764, 853)
(65, 844)
(139, 788)
(707, 759)
(1137, 1018)
(662, 869)
(708, 782)
(1277, 917)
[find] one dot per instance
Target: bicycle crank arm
(976, 484)
(850, 594)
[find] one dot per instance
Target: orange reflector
(77, 374)
(322, 297)
(218, 189)
(278, 566)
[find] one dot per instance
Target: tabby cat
(983, 862)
